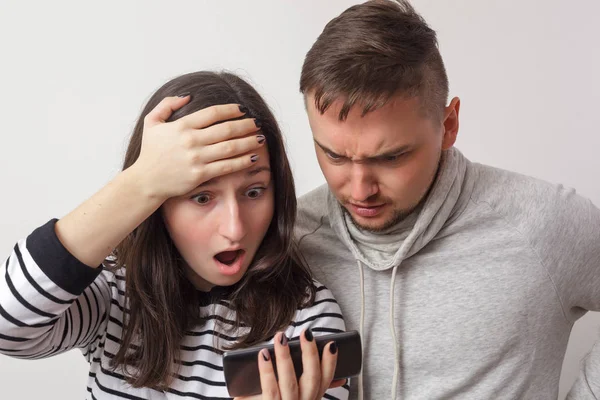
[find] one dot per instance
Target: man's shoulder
(313, 205)
(495, 185)
(312, 221)
(524, 198)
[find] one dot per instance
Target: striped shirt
(50, 303)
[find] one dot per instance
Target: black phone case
(241, 366)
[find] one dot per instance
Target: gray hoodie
(471, 297)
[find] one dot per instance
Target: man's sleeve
(565, 232)
(587, 385)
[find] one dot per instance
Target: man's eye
(201, 198)
(333, 156)
(393, 158)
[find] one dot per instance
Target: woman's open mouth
(230, 262)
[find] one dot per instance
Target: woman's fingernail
(243, 109)
(254, 158)
(260, 138)
(284, 340)
(333, 348)
(308, 335)
(265, 354)
(257, 123)
(184, 94)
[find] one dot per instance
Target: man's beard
(397, 217)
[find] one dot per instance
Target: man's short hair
(372, 52)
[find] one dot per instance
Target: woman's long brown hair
(162, 303)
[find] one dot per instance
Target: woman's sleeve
(49, 301)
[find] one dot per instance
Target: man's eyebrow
(252, 172)
(389, 153)
(325, 149)
(394, 152)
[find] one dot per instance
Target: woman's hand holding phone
(316, 376)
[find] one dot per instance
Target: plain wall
(74, 76)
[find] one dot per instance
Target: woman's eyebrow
(258, 170)
(252, 172)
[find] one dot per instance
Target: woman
(195, 237)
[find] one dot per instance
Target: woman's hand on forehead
(178, 156)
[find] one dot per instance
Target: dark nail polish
(333, 348)
(254, 158)
(308, 335)
(266, 355)
(284, 340)
(261, 139)
(184, 94)
(243, 109)
(257, 123)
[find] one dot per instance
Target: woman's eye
(201, 198)
(255, 192)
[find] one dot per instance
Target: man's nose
(362, 183)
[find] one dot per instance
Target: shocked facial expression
(219, 226)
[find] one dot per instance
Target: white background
(74, 76)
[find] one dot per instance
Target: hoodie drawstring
(362, 324)
(394, 339)
(392, 329)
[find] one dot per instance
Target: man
(464, 280)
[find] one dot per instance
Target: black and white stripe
(51, 303)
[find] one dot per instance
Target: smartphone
(241, 366)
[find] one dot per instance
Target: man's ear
(451, 123)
